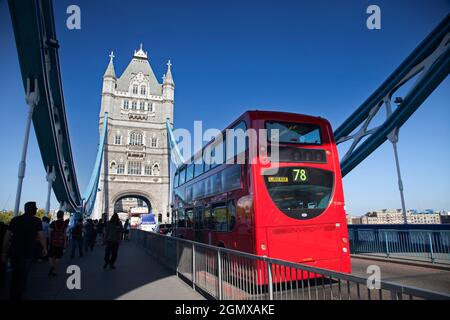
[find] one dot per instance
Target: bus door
(198, 224)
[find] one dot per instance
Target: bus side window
(198, 217)
(175, 179)
(181, 220)
(190, 172)
(220, 217)
(231, 215)
(188, 213)
(175, 218)
(208, 219)
(238, 144)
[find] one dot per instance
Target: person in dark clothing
(89, 236)
(77, 239)
(113, 237)
(19, 243)
(57, 236)
(3, 229)
(126, 230)
(100, 230)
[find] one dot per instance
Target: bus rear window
(300, 192)
(292, 132)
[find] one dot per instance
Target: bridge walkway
(137, 276)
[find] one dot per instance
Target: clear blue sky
(313, 57)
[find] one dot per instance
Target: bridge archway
(123, 203)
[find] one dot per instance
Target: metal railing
(225, 274)
(420, 245)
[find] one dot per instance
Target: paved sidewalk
(137, 276)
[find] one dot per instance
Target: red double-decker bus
(287, 204)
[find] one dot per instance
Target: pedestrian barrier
(420, 245)
(225, 274)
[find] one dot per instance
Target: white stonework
(136, 153)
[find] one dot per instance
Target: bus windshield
(291, 132)
(300, 192)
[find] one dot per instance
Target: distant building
(385, 216)
(445, 219)
(354, 220)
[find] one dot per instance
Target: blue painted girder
(422, 89)
(35, 37)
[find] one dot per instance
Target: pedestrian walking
(46, 230)
(100, 230)
(89, 236)
(57, 242)
(19, 243)
(113, 237)
(126, 230)
(76, 239)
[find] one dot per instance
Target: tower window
(125, 104)
(148, 170)
(120, 168)
(143, 90)
(142, 105)
(135, 89)
(150, 107)
(154, 142)
(118, 139)
(136, 139)
(134, 105)
(134, 167)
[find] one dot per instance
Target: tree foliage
(6, 216)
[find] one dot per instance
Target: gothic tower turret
(168, 93)
(109, 84)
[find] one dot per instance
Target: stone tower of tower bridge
(136, 163)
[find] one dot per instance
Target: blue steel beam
(430, 60)
(90, 193)
(37, 49)
(175, 154)
(437, 73)
(423, 50)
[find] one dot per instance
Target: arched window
(150, 107)
(136, 138)
(125, 104)
(142, 105)
(135, 89)
(155, 170)
(134, 105)
(143, 90)
(113, 166)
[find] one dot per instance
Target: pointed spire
(140, 53)
(110, 72)
(167, 78)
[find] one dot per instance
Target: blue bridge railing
(429, 243)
